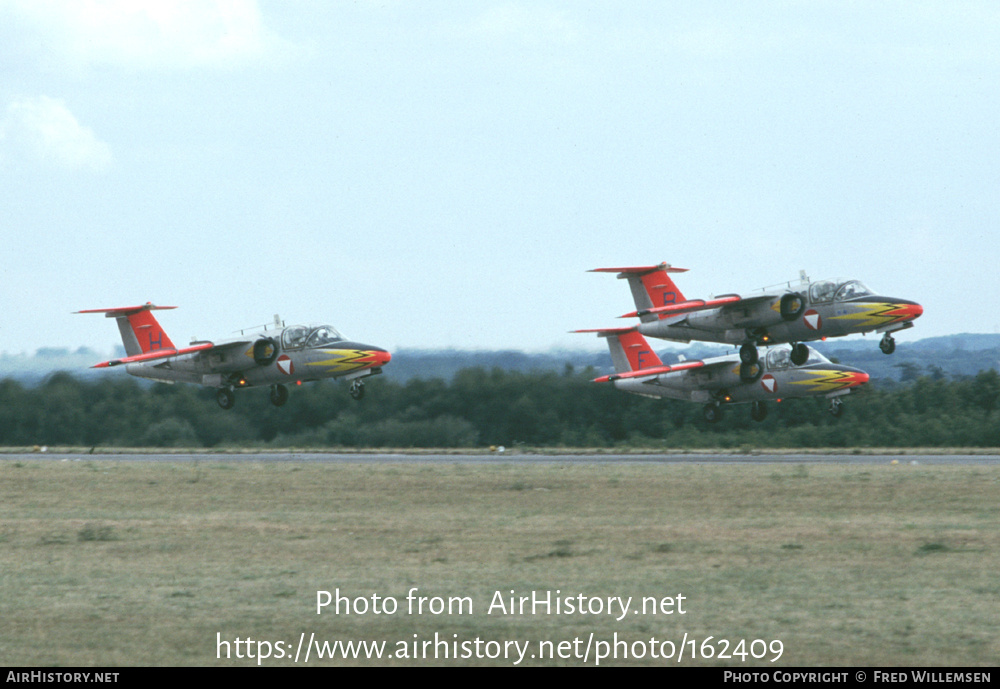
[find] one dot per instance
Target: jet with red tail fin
(277, 357)
(793, 313)
(719, 381)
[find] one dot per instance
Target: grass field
(106, 562)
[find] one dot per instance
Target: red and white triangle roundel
(769, 383)
(812, 319)
(285, 365)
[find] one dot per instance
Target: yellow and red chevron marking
(877, 314)
(346, 360)
(831, 381)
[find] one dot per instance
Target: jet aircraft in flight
(718, 381)
(286, 355)
(809, 311)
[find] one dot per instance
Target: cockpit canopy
(298, 336)
(781, 357)
(839, 290)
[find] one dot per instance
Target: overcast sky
(443, 174)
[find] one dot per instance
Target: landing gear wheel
(887, 344)
(279, 395)
(800, 353)
(748, 353)
(836, 408)
(225, 398)
(758, 411)
(357, 389)
(712, 412)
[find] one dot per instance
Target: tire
(749, 353)
(758, 411)
(279, 395)
(712, 412)
(225, 398)
(800, 354)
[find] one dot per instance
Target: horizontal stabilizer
(141, 332)
(640, 270)
(607, 332)
(127, 310)
(654, 371)
(686, 307)
(154, 355)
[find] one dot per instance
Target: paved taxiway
(517, 458)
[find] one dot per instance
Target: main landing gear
(226, 397)
(800, 353)
(279, 395)
(712, 411)
(750, 368)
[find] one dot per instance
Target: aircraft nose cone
(378, 356)
(908, 310)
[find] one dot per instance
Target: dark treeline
(480, 407)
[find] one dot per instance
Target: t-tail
(141, 332)
(630, 351)
(633, 357)
(651, 287)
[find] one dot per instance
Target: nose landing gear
(225, 398)
(712, 412)
(357, 389)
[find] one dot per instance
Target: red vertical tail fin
(141, 332)
(636, 351)
(651, 286)
(630, 351)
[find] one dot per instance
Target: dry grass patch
(135, 563)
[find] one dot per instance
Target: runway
(514, 458)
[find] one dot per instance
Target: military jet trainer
(812, 310)
(291, 355)
(719, 381)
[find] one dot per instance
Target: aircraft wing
(654, 371)
(692, 305)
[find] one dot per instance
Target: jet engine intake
(792, 306)
(265, 351)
